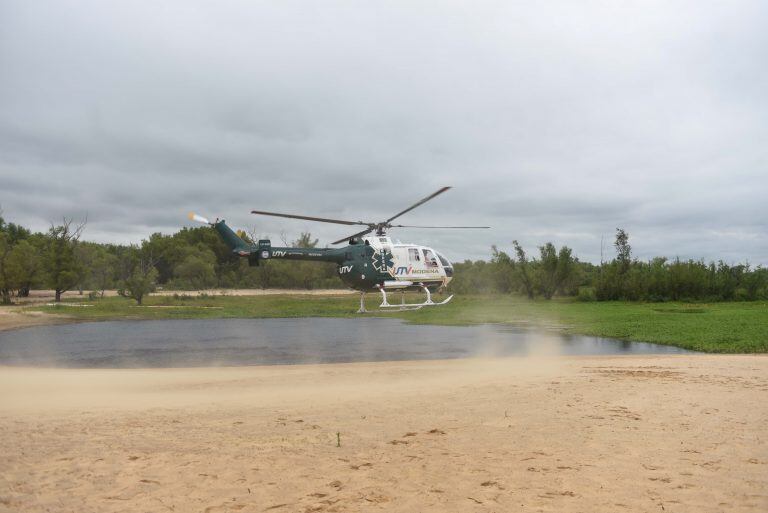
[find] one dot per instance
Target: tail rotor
(198, 218)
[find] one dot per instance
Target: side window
(429, 258)
(413, 255)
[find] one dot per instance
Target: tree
(547, 270)
(611, 283)
(504, 269)
(103, 270)
(139, 273)
(623, 250)
(20, 264)
(23, 264)
(63, 266)
(755, 282)
(566, 267)
(15, 232)
(85, 253)
(305, 241)
(523, 267)
(10, 236)
(555, 268)
(5, 272)
(197, 270)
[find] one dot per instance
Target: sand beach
(630, 433)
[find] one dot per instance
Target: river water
(212, 342)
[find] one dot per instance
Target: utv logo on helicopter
(343, 269)
(410, 270)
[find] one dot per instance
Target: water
(204, 342)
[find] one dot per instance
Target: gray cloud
(554, 121)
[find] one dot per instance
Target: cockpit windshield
(444, 260)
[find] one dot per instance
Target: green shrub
(587, 294)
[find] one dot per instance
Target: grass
(716, 327)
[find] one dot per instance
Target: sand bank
(672, 433)
(12, 317)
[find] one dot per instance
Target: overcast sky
(554, 121)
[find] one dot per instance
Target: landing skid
(403, 306)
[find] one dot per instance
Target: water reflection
(189, 343)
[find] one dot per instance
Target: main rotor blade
(308, 218)
(358, 234)
(420, 202)
(415, 226)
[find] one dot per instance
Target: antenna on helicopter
(379, 228)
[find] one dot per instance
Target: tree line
(190, 259)
(559, 272)
(196, 258)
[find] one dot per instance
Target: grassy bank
(716, 327)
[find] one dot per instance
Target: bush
(741, 294)
(587, 294)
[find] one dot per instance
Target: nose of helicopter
(447, 266)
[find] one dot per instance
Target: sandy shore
(12, 317)
(681, 433)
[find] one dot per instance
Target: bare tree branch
(252, 234)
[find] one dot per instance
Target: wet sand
(593, 434)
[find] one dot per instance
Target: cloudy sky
(554, 121)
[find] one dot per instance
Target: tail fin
(235, 243)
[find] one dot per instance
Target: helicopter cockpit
(447, 266)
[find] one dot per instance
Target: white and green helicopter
(369, 263)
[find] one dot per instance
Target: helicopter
(370, 262)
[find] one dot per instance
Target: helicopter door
(414, 259)
(430, 260)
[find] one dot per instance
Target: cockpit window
(413, 255)
(444, 260)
